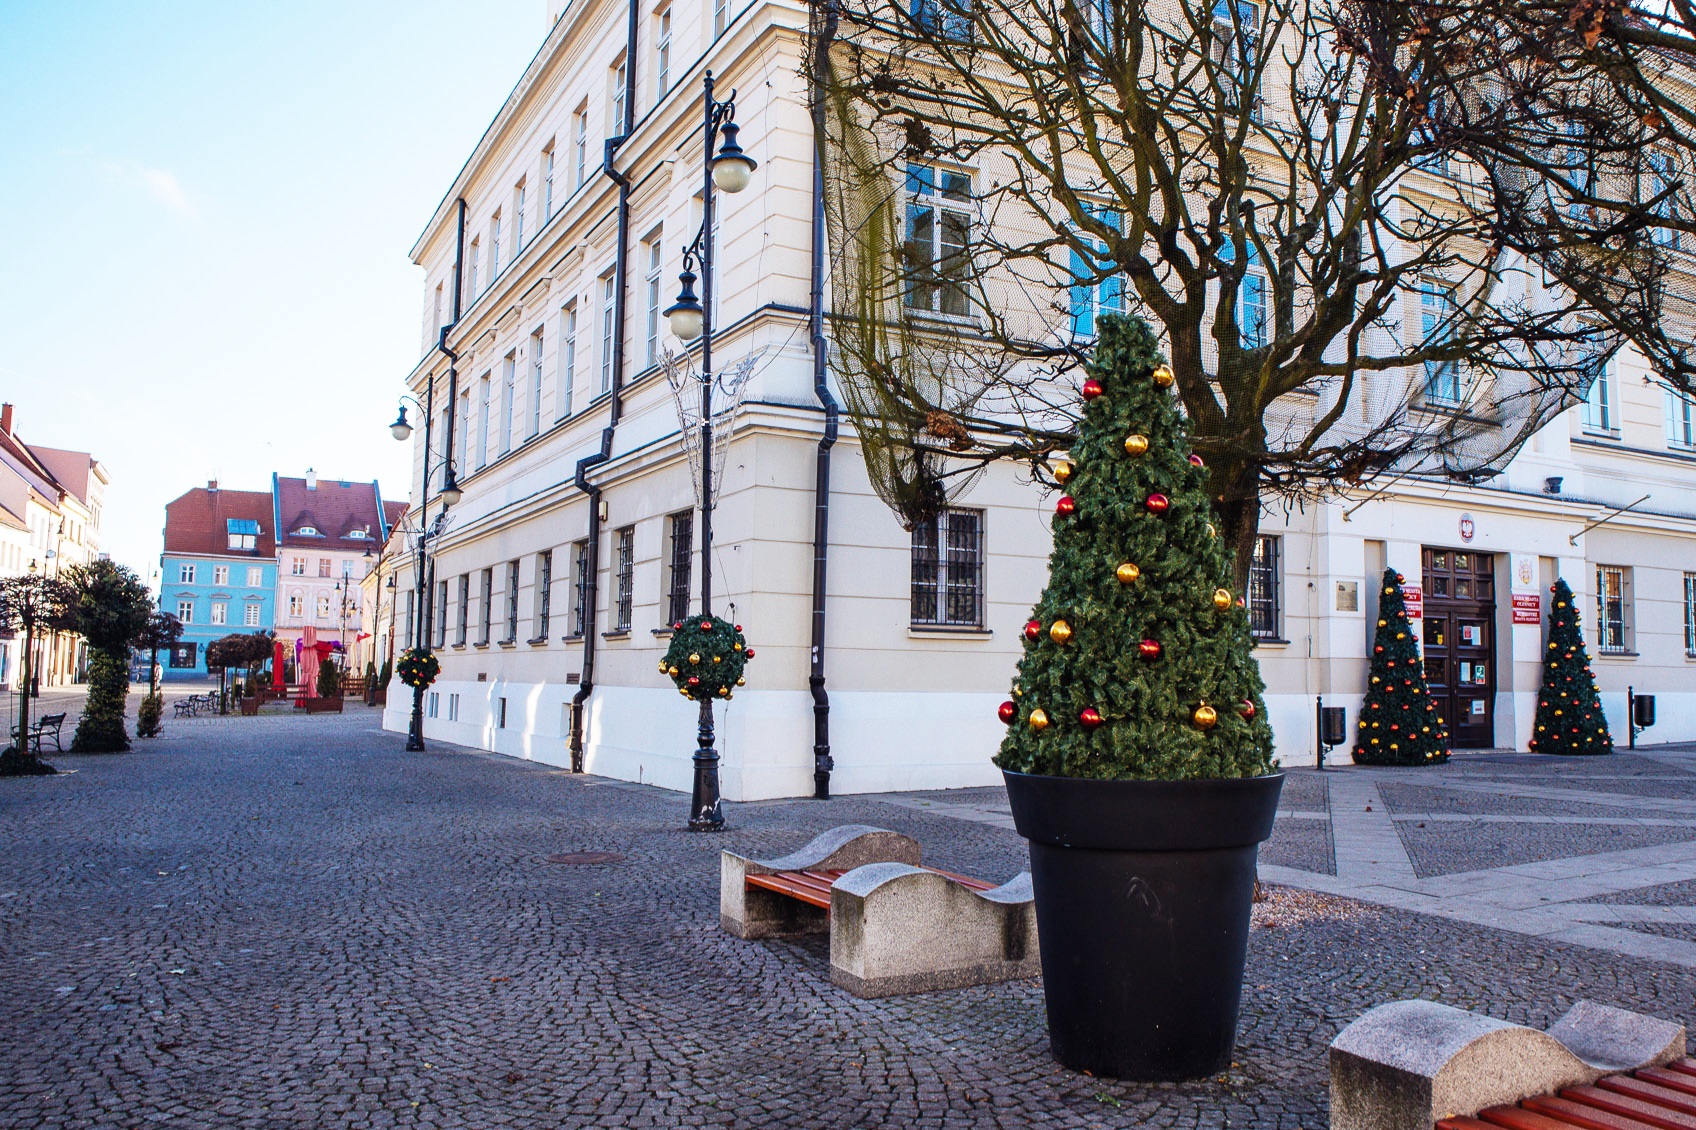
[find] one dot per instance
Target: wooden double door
(1459, 638)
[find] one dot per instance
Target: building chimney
(5, 419)
(311, 479)
(211, 484)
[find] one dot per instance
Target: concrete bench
(895, 926)
(1415, 1065)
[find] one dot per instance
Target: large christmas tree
(1399, 720)
(1137, 661)
(1569, 711)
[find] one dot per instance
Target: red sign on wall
(1527, 608)
(1414, 597)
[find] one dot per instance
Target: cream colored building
(545, 276)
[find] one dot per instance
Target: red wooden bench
(813, 887)
(1652, 1098)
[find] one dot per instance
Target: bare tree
(1337, 214)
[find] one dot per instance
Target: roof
(72, 469)
(393, 512)
(345, 516)
(199, 522)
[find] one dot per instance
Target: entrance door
(1460, 643)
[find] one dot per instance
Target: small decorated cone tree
(1137, 660)
(1399, 720)
(1569, 711)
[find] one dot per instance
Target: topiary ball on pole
(418, 668)
(706, 658)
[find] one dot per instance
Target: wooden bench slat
(1686, 1065)
(804, 892)
(1515, 1118)
(1674, 1080)
(1656, 1114)
(1588, 1117)
(813, 887)
(1649, 1092)
(1463, 1124)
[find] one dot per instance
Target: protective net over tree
(1137, 660)
(1399, 720)
(1569, 710)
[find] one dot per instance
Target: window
(544, 591)
(484, 390)
(1690, 614)
(323, 606)
(625, 541)
(935, 248)
(721, 17)
(609, 306)
(1663, 191)
(1264, 588)
(500, 714)
(185, 654)
(1612, 612)
(411, 625)
(579, 588)
(518, 205)
(243, 533)
(486, 609)
(494, 246)
(509, 393)
(1437, 323)
(250, 615)
(185, 611)
(220, 612)
(1092, 299)
(323, 566)
(1236, 24)
(309, 532)
(476, 252)
(453, 707)
(678, 567)
(464, 428)
(436, 318)
(620, 108)
(580, 145)
(1601, 411)
(952, 18)
(567, 358)
(1580, 172)
(535, 405)
(185, 573)
(662, 54)
(464, 609)
(511, 601)
(1681, 421)
(548, 182)
(297, 606)
(432, 702)
(948, 570)
(654, 293)
(255, 577)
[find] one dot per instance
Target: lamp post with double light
(690, 317)
(449, 495)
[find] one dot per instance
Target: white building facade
(881, 654)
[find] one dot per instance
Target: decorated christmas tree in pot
(1569, 711)
(1399, 720)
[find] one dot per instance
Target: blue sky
(209, 209)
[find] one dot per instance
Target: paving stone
(1447, 847)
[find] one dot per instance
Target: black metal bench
(47, 724)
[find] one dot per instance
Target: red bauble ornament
(1247, 708)
(1089, 718)
(1008, 712)
(1092, 389)
(749, 653)
(1195, 460)
(694, 680)
(706, 625)
(1065, 506)
(1149, 649)
(1033, 630)
(677, 627)
(1157, 503)
(739, 627)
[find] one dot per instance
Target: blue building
(218, 573)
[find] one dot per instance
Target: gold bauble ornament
(1205, 716)
(736, 647)
(1061, 632)
(741, 682)
(662, 666)
(1127, 573)
(1221, 599)
(718, 659)
(1039, 719)
(1135, 444)
(672, 671)
(1064, 470)
(1211, 532)
(725, 691)
(694, 659)
(1163, 376)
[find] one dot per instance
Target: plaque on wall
(1348, 596)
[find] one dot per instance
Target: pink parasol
(309, 662)
(277, 661)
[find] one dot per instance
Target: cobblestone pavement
(290, 922)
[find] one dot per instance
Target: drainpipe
(426, 606)
(592, 491)
(822, 762)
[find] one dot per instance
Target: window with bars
(948, 570)
(1612, 608)
(511, 601)
(1690, 614)
(1265, 588)
(625, 543)
(579, 588)
(464, 622)
(486, 609)
(682, 533)
(544, 591)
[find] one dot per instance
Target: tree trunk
(1236, 501)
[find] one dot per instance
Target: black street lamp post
(449, 494)
(729, 169)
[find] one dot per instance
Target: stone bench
(1415, 1065)
(895, 926)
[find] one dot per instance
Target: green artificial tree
(110, 607)
(1137, 661)
(1399, 722)
(1569, 710)
(329, 680)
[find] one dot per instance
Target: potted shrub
(1138, 758)
(329, 698)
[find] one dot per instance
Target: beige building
(882, 654)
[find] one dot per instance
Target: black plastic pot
(1143, 891)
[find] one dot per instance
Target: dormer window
(243, 533)
(308, 532)
(359, 534)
